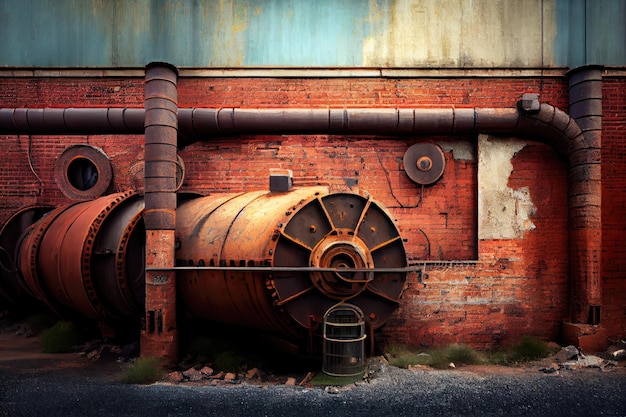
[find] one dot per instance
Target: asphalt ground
(37, 384)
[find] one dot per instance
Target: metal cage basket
(344, 341)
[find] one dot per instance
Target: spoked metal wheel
(352, 251)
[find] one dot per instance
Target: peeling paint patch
(461, 151)
(457, 33)
(503, 213)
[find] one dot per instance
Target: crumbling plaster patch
(503, 213)
(461, 151)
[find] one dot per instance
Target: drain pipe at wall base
(159, 337)
(585, 329)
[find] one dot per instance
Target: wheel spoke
(385, 244)
(295, 241)
(294, 296)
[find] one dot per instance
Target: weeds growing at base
(144, 371)
(60, 338)
(528, 349)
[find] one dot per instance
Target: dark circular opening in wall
(83, 172)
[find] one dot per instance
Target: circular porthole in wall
(83, 172)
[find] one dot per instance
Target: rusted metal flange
(424, 163)
(83, 172)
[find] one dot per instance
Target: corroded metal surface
(83, 172)
(319, 34)
(12, 287)
(307, 227)
(88, 257)
(424, 163)
(161, 122)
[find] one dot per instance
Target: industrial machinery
(274, 261)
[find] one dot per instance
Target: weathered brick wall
(19, 184)
(502, 289)
(614, 206)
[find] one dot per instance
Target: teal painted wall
(591, 32)
(321, 33)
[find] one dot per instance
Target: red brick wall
(504, 288)
(614, 206)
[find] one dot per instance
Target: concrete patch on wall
(461, 151)
(455, 33)
(503, 213)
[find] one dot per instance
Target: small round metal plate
(424, 163)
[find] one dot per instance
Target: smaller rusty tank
(88, 257)
(13, 289)
(299, 242)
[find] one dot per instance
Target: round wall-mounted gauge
(424, 163)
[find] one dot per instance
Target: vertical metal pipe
(585, 203)
(160, 336)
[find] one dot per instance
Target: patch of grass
(530, 349)
(60, 338)
(40, 322)
(230, 361)
(462, 354)
(408, 358)
(322, 379)
(435, 358)
(144, 371)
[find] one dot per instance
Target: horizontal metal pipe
(284, 269)
(72, 121)
(548, 124)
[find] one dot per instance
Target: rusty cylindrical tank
(13, 289)
(89, 258)
(298, 235)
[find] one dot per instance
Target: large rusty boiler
(88, 258)
(279, 261)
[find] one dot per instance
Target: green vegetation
(144, 371)
(322, 379)
(528, 349)
(231, 361)
(60, 338)
(435, 358)
(40, 322)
